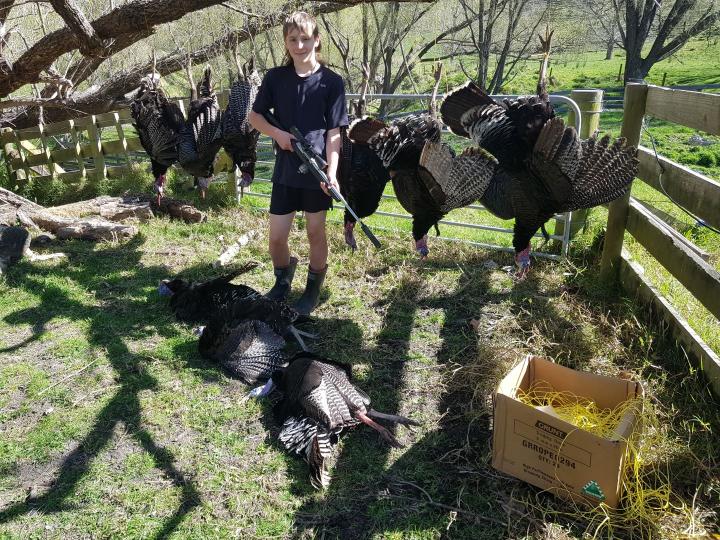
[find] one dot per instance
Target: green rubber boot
(309, 299)
(283, 281)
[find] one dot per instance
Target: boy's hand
(283, 139)
(333, 181)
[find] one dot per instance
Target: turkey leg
(394, 418)
(389, 437)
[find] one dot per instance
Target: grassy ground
(113, 426)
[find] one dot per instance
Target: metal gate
(266, 158)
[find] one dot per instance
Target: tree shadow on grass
(363, 498)
(118, 310)
(443, 482)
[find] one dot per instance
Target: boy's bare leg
(315, 226)
(279, 232)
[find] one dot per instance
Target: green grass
(113, 426)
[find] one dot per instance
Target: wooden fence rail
(697, 193)
(31, 153)
(694, 191)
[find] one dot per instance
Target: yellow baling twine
(647, 499)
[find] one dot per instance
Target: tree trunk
(5, 6)
(63, 227)
(141, 207)
(634, 67)
(609, 48)
(673, 31)
(110, 208)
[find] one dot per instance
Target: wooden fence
(697, 193)
(81, 150)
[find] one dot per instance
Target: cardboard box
(540, 448)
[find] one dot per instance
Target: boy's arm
(332, 152)
(283, 138)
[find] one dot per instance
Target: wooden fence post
(121, 138)
(590, 104)
(633, 113)
(22, 155)
(6, 135)
(77, 147)
(95, 136)
(52, 169)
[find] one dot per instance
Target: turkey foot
(350, 236)
(522, 260)
(389, 437)
(421, 247)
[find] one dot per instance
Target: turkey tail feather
(362, 129)
(456, 181)
(582, 174)
(458, 102)
(400, 144)
(205, 85)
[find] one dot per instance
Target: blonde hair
(302, 22)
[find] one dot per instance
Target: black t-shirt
(314, 104)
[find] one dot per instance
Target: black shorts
(288, 199)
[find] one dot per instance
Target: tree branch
(700, 26)
(110, 94)
(28, 101)
(133, 17)
(129, 18)
(90, 42)
(5, 6)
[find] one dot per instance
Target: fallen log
(141, 207)
(64, 227)
(8, 197)
(85, 229)
(8, 215)
(110, 208)
(176, 208)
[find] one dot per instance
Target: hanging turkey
(158, 123)
(361, 174)
(399, 146)
(239, 138)
(562, 174)
(531, 164)
(201, 136)
(318, 402)
(507, 129)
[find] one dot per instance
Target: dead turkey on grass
(318, 402)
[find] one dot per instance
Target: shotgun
(314, 164)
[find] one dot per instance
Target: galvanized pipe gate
(90, 155)
(564, 221)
